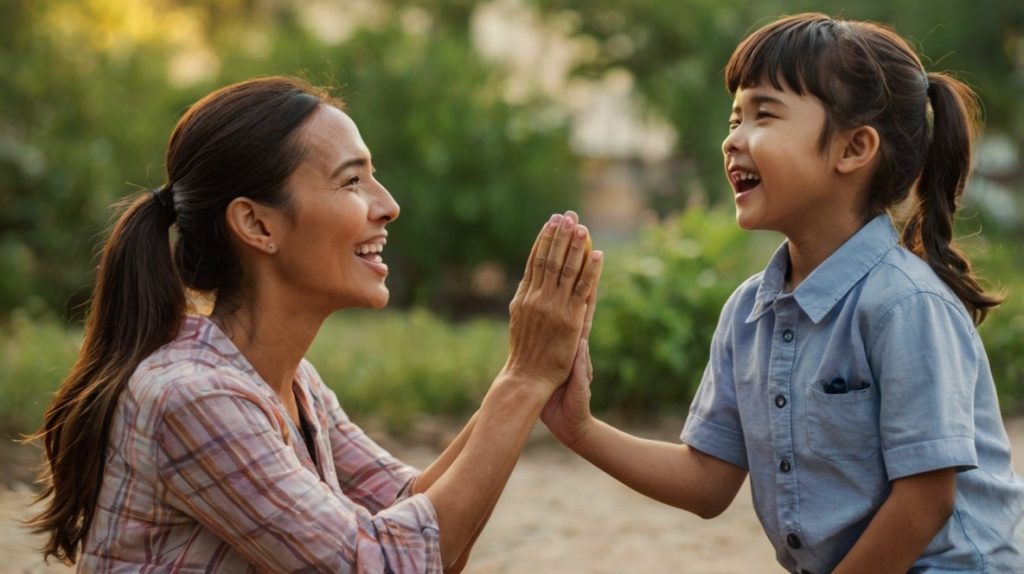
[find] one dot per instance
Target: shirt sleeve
(713, 424)
(222, 460)
(368, 473)
(924, 358)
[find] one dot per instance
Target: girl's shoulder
(902, 279)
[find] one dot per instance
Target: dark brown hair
(238, 141)
(866, 74)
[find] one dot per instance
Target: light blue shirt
(871, 370)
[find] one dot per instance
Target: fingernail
(555, 219)
(572, 215)
(567, 223)
(596, 255)
(581, 232)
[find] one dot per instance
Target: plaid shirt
(205, 472)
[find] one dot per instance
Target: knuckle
(540, 262)
(552, 266)
(569, 271)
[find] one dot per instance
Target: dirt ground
(558, 515)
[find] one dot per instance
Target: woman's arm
(547, 315)
(917, 508)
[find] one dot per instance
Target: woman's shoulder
(198, 362)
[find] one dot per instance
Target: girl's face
(781, 178)
(331, 255)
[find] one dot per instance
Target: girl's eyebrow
(759, 99)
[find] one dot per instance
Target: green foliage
(1001, 264)
(659, 304)
(476, 177)
(35, 356)
(396, 368)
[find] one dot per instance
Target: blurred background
(483, 118)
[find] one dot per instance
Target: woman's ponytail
(929, 231)
(137, 306)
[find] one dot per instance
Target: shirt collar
(834, 278)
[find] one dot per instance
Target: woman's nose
(385, 207)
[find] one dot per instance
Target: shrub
(398, 368)
(35, 356)
(658, 306)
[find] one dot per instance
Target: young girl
(847, 378)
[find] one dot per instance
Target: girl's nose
(730, 144)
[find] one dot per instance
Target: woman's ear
(253, 224)
(860, 149)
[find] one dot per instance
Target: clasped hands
(551, 316)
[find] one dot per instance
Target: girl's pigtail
(137, 306)
(929, 231)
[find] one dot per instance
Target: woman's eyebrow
(356, 161)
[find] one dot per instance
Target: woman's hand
(550, 306)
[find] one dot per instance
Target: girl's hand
(550, 306)
(567, 412)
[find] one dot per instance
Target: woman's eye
(761, 114)
(733, 124)
(351, 181)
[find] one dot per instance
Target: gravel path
(558, 515)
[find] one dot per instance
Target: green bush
(397, 368)
(1002, 265)
(658, 306)
(35, 356)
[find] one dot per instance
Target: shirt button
(784, 466)
(793, 540)
(780, 401)
(787, 335)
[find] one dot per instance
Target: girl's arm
(674, 474)
(917, 508)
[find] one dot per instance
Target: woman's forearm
(466, 492)
(437, 468)
(674, 474)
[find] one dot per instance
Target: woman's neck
(271, 335)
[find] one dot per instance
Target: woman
(181, 442)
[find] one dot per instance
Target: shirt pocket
(843, 426)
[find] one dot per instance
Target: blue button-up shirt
(871, 370)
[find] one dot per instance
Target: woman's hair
(241, 140)
(866, 74)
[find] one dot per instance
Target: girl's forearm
(674, 474)
(916, 509)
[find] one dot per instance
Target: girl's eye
(761, 114)
(733, 124)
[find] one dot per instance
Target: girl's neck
(810, 248)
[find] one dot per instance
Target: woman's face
(331, 254)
